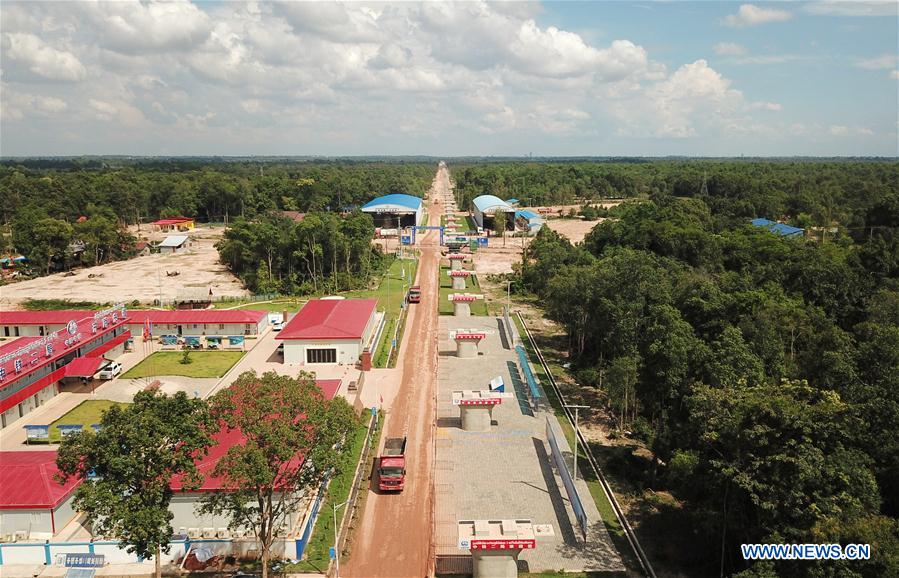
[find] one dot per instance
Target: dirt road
(394, 538)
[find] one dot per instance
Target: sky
(626, 78)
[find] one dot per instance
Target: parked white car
(110, 371)
(277, 325)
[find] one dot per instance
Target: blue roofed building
(395, 211)
(778, 228)
(485, 209)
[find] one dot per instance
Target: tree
(128, 465)
(292, 438)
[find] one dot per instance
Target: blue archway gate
(423, 228)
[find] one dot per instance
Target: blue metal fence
(528, 374)
(573, 496)
(310, 523)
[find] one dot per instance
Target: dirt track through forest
(394, 538)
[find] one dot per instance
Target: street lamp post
(336, 535)
(576, 408)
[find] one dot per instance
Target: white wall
(64, 512)
(201, 329)
(33, 521)
(348, 351)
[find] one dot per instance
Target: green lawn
(391, 293)
(203, 364)
(472, 225)
(445, 306)
(316, 554)
(291, 304)
(86, 414)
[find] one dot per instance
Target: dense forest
(325, 252)
(42, 201)
(808, 192)
(761, 372)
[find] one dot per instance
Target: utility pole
(576, 408)
(336, 538)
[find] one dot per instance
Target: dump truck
(392, 465)
(414, 294)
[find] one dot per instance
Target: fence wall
(53, 553)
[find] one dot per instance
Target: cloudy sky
(434, 78)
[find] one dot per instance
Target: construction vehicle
(392, 465)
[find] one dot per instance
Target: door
(328, 355)
(180, 329)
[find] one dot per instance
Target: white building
(329, 331)
(33, 504)
(174, 244)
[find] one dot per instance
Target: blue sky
(471, 78)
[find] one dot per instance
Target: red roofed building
(330, 331)
(31, 500)
(31, 367)
(174, 224)
(185, 519)
(183, 322)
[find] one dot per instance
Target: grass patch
(391, 294)
(203, 364)
(292, 305)
(85, 413)
(57, 304)
(472, 225)
(445, 306)
(610, 520)
(315, 558)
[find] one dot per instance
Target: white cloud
(41, 59)
(894, 74)
(751, 15)
(884, 61)
(851, 8)
(729, 49)
(772, 106)
(119, 111)
(134, 27)
(18, 105)
(838, 130)
(694, 97)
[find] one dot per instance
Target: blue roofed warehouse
(395, 211)
(485, 209)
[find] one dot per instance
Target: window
(221, 325)
(321, 355)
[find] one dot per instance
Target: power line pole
(576, 408)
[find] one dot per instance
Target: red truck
(392, 465)
(414, 294)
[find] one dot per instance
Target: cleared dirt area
(574, 229)
(143, 278)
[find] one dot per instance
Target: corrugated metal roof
(27, 481)
(397, 199)
(173, 241)
(135, 316)
(83, 366)
(779, 228)
(526, 214)
(487, 202)
(330, 319)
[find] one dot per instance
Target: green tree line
(809, 192)
(208, 191)
(761, 372)
(323, 252)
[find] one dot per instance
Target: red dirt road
(394, 538)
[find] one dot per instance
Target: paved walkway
(506, 473)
